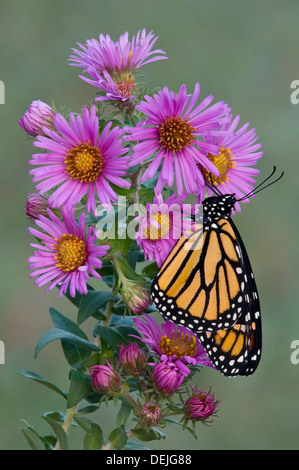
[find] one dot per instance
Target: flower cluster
(162, 152)
(174, 350)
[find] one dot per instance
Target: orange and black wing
(202, 283)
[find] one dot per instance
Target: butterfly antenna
(256, 190)
(213, 188)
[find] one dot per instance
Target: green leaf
(150, 270)
(38, 378)
(76, 300)
(74, 355)
(57, 333)
(59, 432)
(131, 445)
(118, 438)
(33, 440)
(56, 415)
(83, 422)
(88, 409)
(124, 413)
(145, 435)
(93, 439)
(80, 387)
(64, 323)
(109, 335)
(91, 303)
(128, 272)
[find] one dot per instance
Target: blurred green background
(245, 53)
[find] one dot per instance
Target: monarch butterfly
(206, 284)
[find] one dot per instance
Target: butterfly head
(218, 207)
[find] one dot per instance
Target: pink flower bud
(199, 406)
(132, 358)
(37, 116)
(106, 380)
(167, 377)
(150, 415)
(36, 205)
(136, 296)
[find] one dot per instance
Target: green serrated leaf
(93, 439)
(59, 432)
(38, 378)
(80, 387)
(118, 438)
(57, 333)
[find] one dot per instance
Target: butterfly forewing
(201, 282)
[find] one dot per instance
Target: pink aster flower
(173, 343)
(37, 116)
(66, 256)
(170, 137)
(167, 377)
(200, 406)
(238, 153)
(112, 65)
(162, 225)
(79, 161)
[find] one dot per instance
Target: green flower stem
(129, 397)
(67, 423)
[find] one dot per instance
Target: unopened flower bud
(150, 415)
(36, 205)
(167, 377)
(106, 380)
(37, 116)
(136, 296)
(200, 406)
(132, 358)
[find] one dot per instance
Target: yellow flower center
(71, 252)
(223, 162)
(84, 163)
(156, 233)
(179, 344)
(175, 133)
